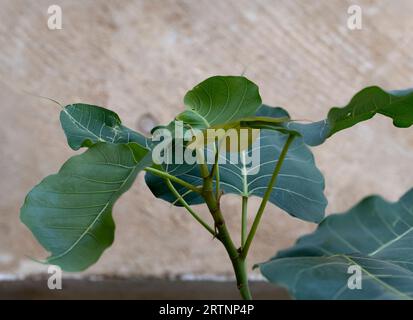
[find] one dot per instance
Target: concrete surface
(140, 57)
(132, 288)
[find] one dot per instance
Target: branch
(267, 194)
(187, 207)
(168, 176)
(215, 170)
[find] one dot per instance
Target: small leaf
(85, 125)
(375, 235)
(70, 213)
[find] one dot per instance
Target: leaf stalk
(266, 197)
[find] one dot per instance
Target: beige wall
(140, 57)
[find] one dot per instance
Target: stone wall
(140, 57)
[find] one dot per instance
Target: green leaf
(397, 105)
(70, 213)
(299, 187)
(375, 235)
(85, 125)
(220, 100)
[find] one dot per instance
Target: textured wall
(140, 57)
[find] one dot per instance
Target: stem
(215, 171)
(203, 167)
(187, 207)
(217, 183)
(168, 176)
(242, 278)
(244, 220)
(238, 263)
(223, 235)
(267, 194)
(182, 195)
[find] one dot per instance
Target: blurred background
(139, 58)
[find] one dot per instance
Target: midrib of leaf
(244, 173)
(82, 126)
(348, 258)
(384, 284)
(95, 220)
(385, 245)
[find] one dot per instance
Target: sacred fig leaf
(225, 104)
(299, 187)
(220, 100)
(85, 125)
(397, 105)
(70, 213)
(374, 237)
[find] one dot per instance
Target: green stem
(242, 278)
(244, 220)
(187, 207)
(215, 170)
(217, 183)
(168, 176)
(267, 194)
(203, 167)
(238, 263)
(223, 235)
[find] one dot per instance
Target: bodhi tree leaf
(375, 236)
(70, 213)
(219, 100)
(226, 102)
(216, 102)
(397, 105)
(85, 125)
(299, 187)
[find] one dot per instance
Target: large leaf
(70, 213)
(226, 102)
(299, 187)
(85, 125)
(375, 235)
(220, 100)
(397, 105)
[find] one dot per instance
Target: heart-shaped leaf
(299, 187)
(375, 236)
(397, 105)
(70, 213)
(85, 125)
(220, 100)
